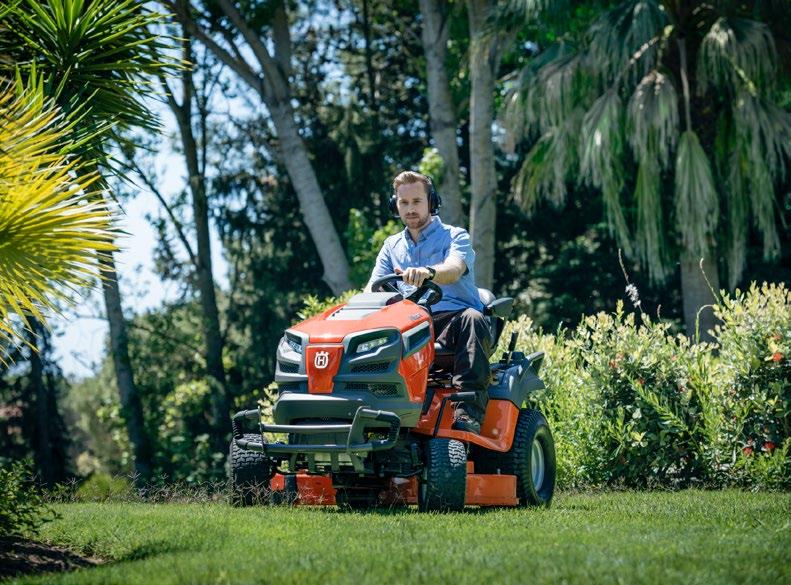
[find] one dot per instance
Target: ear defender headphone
(434, 201)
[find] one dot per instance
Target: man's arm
(460, 257)
(451, 270)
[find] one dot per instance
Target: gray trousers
(467, 331)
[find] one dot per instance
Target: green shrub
(754, 373)
(103, 487)
(652, 427)
(22, 509)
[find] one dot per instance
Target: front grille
(370, 368)
(384, 390)
(380, 390)
(288, 368)
(291, 387)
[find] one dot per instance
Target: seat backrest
(487, 296)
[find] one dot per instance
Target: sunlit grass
(684, 537)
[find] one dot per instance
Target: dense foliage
(630, 404)
(22, 508)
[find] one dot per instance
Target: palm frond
(696, 200)
(652, 119)
(96, 58)
(649, 235)
(543, 94)
(765, 130)
(622, 38)
(737, 53)
(547, 166)
(601, 156)
(731, 168)
(52, 231)
(762, 199)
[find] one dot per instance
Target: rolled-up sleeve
(461, 247)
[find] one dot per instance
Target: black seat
(496, 312)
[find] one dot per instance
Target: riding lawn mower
(365, 404)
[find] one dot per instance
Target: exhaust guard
(355, 442)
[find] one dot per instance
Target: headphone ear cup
(435, 200)
(392, 207)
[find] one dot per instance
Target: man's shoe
(464, 422)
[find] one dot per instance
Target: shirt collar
(432, 226)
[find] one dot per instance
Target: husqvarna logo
(322, 359)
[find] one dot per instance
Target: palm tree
(94, 59)
(52, 228)
(672, 101)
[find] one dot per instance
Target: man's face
(412, 203)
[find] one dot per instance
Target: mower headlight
(371, 344)
(294, 344)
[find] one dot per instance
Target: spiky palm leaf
(51, 229)
(96, 58)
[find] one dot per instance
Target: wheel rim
(537, 464)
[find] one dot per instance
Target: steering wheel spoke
(387, 284)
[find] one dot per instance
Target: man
(429, 249)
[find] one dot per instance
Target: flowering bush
(754, 371)
(651, 424)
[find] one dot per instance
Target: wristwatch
(433, 272)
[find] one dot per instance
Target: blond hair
(409, 177)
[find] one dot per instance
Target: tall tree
(194, 151)
(94, 59)
(485, 50)
(686, 91)
(434, 35)
(268, 76)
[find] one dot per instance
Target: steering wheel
(385, 284)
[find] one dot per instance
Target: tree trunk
(43, 438)
(314, 210)
(697, 295)
(275, 91)
(210, 317)
(131, 407)
(440, 106)
(483, 180)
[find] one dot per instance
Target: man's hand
(415, 276)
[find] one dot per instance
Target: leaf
(652, 119)
(695, 195)
(52, 229)
(601, 159)
(737, 53)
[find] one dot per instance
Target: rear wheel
(532, 459)
(443, 484)
(250, 474)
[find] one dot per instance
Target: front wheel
(250, 473)
(443, 485)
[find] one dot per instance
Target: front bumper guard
(355, 445)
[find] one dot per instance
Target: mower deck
(482, 490)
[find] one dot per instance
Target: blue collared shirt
(435, 244)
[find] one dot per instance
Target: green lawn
(685, 537)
